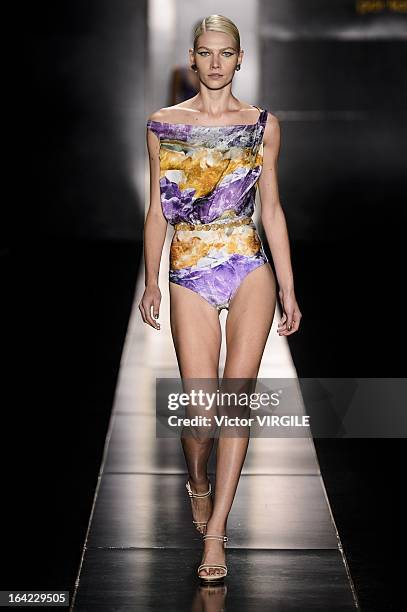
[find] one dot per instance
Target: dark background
(78, 248)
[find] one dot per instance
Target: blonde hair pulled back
(217, 23)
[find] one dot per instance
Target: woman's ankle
(199, 485)
(216, 527)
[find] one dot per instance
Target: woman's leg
(248, 325)
(196, 333)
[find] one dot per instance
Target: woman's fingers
(143, 312)
(156, 309)
(290, 330)
(289, 323)
(150, 320)
(150, 306)
(282, 323)
(145, 309)
(156, 313)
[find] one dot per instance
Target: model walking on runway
(208, 155)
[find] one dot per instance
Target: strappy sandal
(191, 494)
(208, 579)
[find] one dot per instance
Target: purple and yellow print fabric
(208, 175)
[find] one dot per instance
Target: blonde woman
(208, 155)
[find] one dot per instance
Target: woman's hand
(151, 299)
(290, 321)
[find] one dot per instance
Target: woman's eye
(227, 53)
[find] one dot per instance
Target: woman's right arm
(155, 229)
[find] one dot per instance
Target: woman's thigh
(196, 333)
(249, 321)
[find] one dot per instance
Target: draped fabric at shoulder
(262, 123)
(263, 117)
(151, 125)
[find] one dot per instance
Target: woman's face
(216, 54)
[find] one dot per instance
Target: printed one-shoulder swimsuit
(208, 182)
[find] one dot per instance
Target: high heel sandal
(191, 494)
(208, 579)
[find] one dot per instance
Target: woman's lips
(215, 76)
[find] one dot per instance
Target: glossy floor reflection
(164, 579)
(142, 550)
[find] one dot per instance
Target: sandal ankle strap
(215, 537)
(211, 565)
(191, 494)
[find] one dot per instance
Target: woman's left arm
(275, 227)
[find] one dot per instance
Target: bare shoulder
(272, 129)
(156, 115)
(169, 114)
(272, 122)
